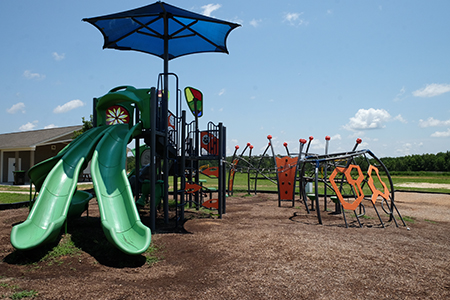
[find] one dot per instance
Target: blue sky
(375, 70)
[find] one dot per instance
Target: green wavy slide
(120, 219)
(56, 180)
(51, 207)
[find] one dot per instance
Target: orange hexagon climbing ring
(375, 191)
(355, 183)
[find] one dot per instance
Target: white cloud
(368, 119)
(209, 8)
(291, 17)
(18, 107)
(432, 122)
(409, 148)
(28, 126)
(399, 96)
(68, 106)
(432, 90)
(329, 12)
(237, 20)
(294, 19)
(439, 134)
(400, 118)
(363, 145)
(221, 92)
(50, 126)
(356, 134)
(404, 150)
(255, 23)
(320, 143)
(30, 75)
(336, 137)
(58, 57)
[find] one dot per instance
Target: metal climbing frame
(347, 184)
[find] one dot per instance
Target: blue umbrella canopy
(163, 30)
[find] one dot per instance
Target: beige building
(19, 151)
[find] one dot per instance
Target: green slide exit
(120, 218)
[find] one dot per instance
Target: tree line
(439, 162)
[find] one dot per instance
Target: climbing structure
(348, 180)
(351, 180)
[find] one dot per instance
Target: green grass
(407, 219)
(20, 197)
(17, 294)
(23, 294)
(422, 179)
(202, 212)
(13, 198)
(66, 247)
(151, 255)
(13, 188)
(430, 221)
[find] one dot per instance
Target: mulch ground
(256, 251)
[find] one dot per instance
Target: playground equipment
(347, 182)
(123, 114)
(127, 113)
(350, 180)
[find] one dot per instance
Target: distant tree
(439, 162)
(131, 163)
(86, 126)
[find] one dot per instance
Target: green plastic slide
(39, 172)
(79, 204)
(50, 210)
(120, 218)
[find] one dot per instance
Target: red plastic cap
(269, 137)
(303, 141)
(358, 140)
(285, 144)
(311, 138)
(236, 147)
(327, 138)
(248, 144)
